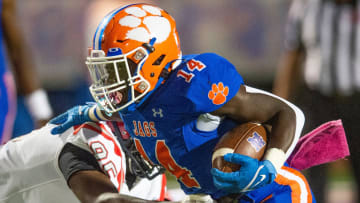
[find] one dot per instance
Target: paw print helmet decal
(133, 49)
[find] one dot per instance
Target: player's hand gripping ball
(247, 139)
(244, 145)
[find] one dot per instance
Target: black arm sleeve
(73, 159)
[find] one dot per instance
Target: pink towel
(324, 144)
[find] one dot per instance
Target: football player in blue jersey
(177, 107)
(22, 77)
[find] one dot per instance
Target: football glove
(74, 116)
(252, 174)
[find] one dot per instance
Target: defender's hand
(74, 116)
(253, 174)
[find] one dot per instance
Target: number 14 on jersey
(191, 65)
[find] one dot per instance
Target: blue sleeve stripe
(96, 115)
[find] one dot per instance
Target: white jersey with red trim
(29, 170)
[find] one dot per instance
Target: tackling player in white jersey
(90, 157)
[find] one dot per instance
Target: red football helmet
(134, 47)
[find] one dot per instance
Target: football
(248, 139)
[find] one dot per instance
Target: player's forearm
(88, 185)
(120, 198)
(282, 135)
(18, 51)
(287, 76)
(36, 99)
(287, 121)
(285, 132)
(98, 114)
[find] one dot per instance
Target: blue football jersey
(7, 93)
(3, 67)
(164, 126)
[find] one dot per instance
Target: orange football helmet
(133, 50)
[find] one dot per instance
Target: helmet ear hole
(158, 61)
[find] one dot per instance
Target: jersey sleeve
(73, 159)
(98, 140)
(215, 82)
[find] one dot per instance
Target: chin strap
(150, 46)
(136, 165)
(165, 73)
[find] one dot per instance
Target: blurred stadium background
(248, 33)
